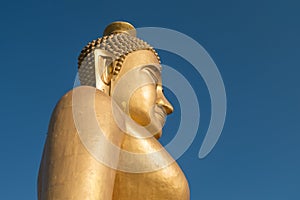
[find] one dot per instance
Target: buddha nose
(162, 101)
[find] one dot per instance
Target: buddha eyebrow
(154, 71)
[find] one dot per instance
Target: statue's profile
(102, 138)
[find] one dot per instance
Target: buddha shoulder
(85, 107)
(83, 96)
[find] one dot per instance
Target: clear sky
(255, 45)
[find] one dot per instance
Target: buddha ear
(103, 69)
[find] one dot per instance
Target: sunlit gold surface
(69, 171)
(120, 27)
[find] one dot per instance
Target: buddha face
(141, 93)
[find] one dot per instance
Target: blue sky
(255, 45)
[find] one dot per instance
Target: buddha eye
(159, 87)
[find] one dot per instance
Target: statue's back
(69, 171)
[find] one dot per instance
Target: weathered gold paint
(69, 171)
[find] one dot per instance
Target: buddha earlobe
(103, 69)
(107, 73)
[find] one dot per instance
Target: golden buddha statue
(120, 105)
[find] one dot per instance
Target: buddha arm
(159, 183)
(68, 170)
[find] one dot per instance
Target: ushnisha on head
(119, 64)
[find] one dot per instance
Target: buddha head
(127, 69)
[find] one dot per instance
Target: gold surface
(69, 171)
(120, 27)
